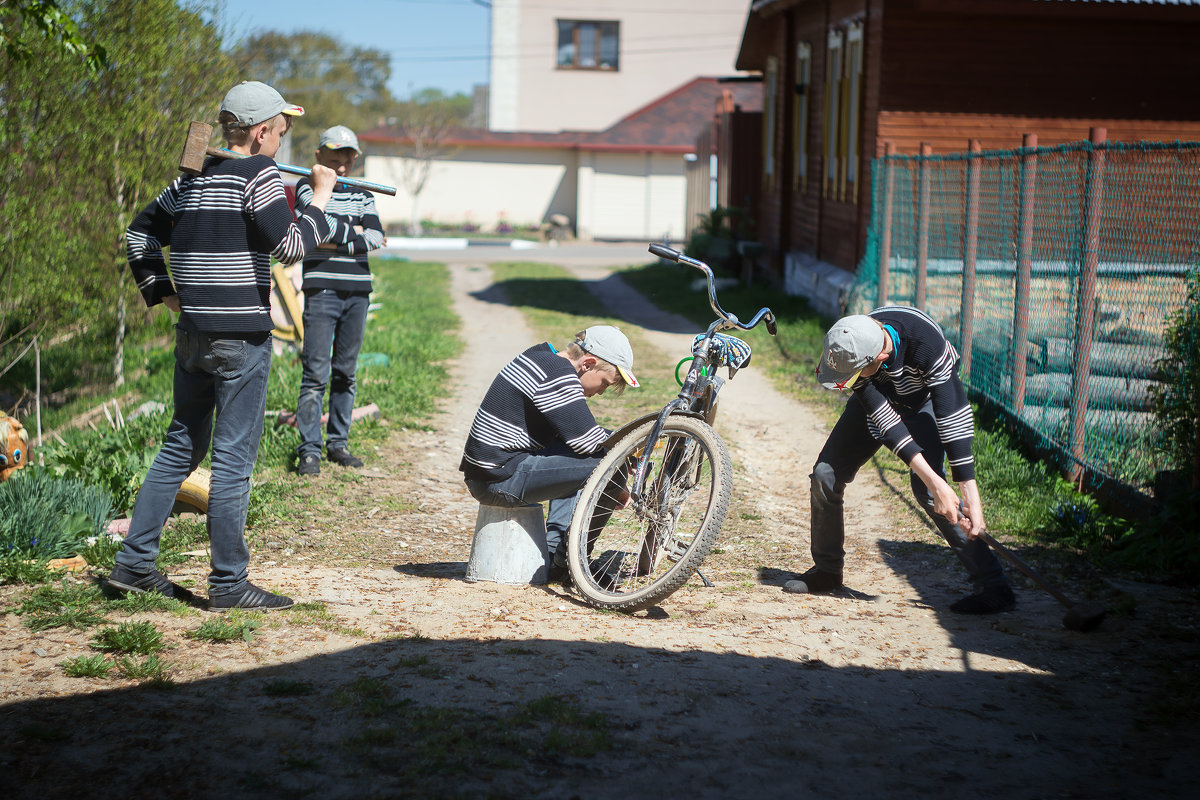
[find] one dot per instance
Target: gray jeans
(555, 473)
(850, 445)
(228, 378)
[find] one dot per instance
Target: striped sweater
(534, 400)
(344, 269)
(223, 226)
(923, 367)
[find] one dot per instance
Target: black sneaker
(310, 464)
(814, 581)
(343, 457)
(992, 600)
(126, 580)
(249, 598)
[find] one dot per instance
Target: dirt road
(417, 683)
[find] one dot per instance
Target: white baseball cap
(253, 102)
(608, 343)
(339, 137)
(850, 345)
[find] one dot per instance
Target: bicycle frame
(698, 395)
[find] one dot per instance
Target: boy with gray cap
(223, 227)
(907, 395)
(337, 288)
(534, 437)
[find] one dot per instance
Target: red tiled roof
(669, 124)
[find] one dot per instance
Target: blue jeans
(851, 445)
(213, 376)
(333, 334)
(555, 473)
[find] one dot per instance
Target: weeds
(130, 637)
(151, 668)
(226, 629)
(283, 687)
(65, 605)
(94, 666)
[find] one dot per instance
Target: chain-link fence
(1055, 271)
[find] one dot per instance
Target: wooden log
(1104, 391)
(1052, 421)
(1108, 358)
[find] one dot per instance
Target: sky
(440, 44)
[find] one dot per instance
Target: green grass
(93, 666)
(151, 668)
(226, 628)
(130, 637)
(62, 605)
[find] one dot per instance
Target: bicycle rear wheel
(629, 558)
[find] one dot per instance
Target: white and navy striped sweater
(534, 400)
(345, 269)
(223, 226)
(924, 367)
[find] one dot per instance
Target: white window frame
(803, 90)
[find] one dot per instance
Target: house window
(800, 109)
(588, 45)
(770, 98)
(852, 109)
(833, 115)
(843, 112)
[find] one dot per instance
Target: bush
(44, 517)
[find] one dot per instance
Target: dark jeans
(228, 378)
(333, 334)
(555, 473)
(851, 445)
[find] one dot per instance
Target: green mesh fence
(1056, 272)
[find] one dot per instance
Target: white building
(593, 108)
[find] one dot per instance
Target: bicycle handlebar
(730, 320)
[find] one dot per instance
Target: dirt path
(734, 691)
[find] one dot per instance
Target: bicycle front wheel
(628, 555)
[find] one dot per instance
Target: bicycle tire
(628, 559)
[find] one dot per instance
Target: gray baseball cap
(850, 345)
(253, 102)
(608, 343)
(339, 137)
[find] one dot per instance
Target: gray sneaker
(249, 598)
(126, 580)
(814, 581)
(310, 464)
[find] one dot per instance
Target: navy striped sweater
(345, 269)
(924, 367)
(222, 227)
(534, 400)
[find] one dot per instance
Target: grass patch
(226, 629)
(93, 666)
(151, 668)
(62, 605)
(130, 637)
(317, 614)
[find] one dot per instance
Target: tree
(48, 22)
(337, 84)
(88, 149)
(424, 128)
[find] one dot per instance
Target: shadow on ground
(541, 718)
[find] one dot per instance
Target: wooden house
(843, 79)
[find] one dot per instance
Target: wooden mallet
(197, 147)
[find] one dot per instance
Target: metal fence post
(923, 227)
(1029, 165)
(970, 254)
(885, 237)
(1085, 316)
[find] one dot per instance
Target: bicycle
(652, 509)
